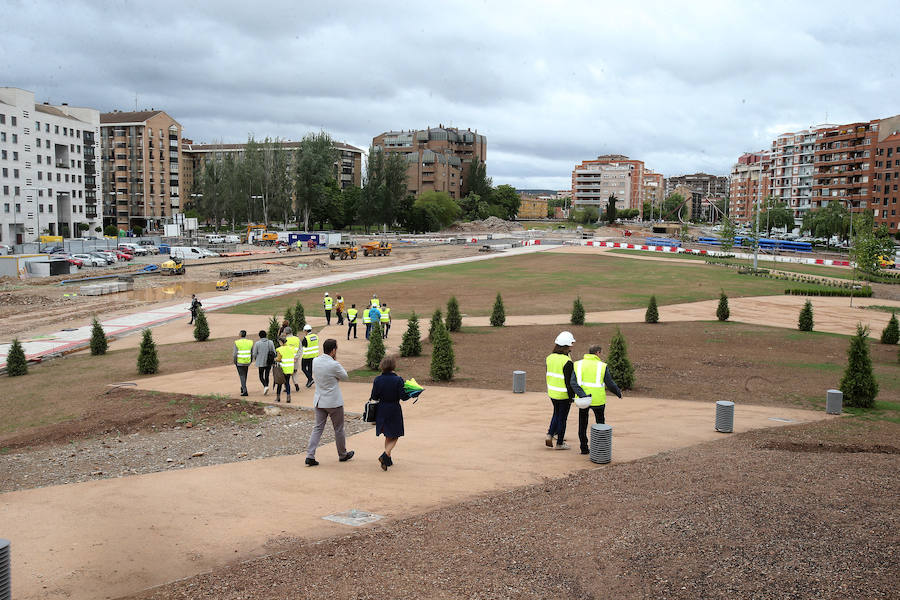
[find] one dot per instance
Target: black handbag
(370, 411)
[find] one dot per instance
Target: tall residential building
(48, 166)
(749, 183)
(887, 178)
(709, 186)
(844, 161)
(594, 180)
(793, 158)
(438, 158)
(141, 168)
(654, 188)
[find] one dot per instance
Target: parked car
(53, 249)
(5, 250)
(91, 260)
(75, 261)
(133, 249)
(108, 256)
(122, 255)
(149, 247)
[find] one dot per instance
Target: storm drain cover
(354, 518)
(782, 420)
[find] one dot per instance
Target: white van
(215, 238)
(232, 239)
(186, 252)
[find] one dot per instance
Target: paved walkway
(70, 339)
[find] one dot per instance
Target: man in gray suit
(328, 402)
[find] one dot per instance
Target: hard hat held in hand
(583, 402)
(565, 339)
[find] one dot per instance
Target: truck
(376, 248)
(183, 252)
(260, 235)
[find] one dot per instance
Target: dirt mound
(490, 225)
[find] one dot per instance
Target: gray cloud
(685, 86)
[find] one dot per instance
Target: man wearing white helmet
(591, 379)
(328, 303)
(559, 388)
(310, 345)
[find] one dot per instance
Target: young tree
(454, 319)
(858, 383)
(147, 361)
(99, 343)
(652, 314)
(498, 315)
(201, 326)
(805, 322)
(376, 351)
(727, 235)
(274, 327)
(577, 312)
(618, 364)
(436, 319)
(891, 334)
(722, 312)
(478, 182)
(16, 363)
(289, 317)
(299, 321)
(411, 344)
(611, 209)
(442, 359)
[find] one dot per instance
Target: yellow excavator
(263, 237)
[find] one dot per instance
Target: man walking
(264, 355)
(310, 351)
(385, 319)
(294, 342)
(195, 306)
(339, 309)
(328, 303)
(374, 317)
(243, 350)
(590, 377)
(351, 321)
(328, 402)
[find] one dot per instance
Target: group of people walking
(277, 364)
(373, 312)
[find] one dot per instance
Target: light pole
(756, 237)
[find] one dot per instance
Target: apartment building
(48, 166)
(594, 180)
(438, 158)
(793, 158)
(844, 161)
(533, 206)
(709, 186)
(654, 188)
(141, 155)
(749, 182)
(887, 179)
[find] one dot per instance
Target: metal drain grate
(354, 518)
(5, 571)
(601, 443)
(724, 416)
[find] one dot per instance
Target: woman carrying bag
(388, 390)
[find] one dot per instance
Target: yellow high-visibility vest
(385, 315)
(351, 315)
(375, 303)
(556, 381)
(329, 302)
(244, 350)
(293, 341)
(311, 350)
(287, 359)
(367, 318)
(590, 371)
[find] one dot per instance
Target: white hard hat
(583, 402)
(307, 327)
(565, 339)
(326, 293)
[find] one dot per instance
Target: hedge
(864, 292)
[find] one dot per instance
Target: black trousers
(327, 317)
(351, 327)
(340, 316)
(264, 375)
(306, 368)
(242, 374)
(583, 417)
(560, 416)
(385, 327)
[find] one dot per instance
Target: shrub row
(863, 292)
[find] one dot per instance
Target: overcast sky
(683, 86)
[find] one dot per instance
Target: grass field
(543, 283)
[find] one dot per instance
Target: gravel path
(121, 455)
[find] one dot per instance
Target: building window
(49, 208)
(18, 208)
(15, 138)
(12, 121)
(15, 155)
(6, 207)
(40, 208)
(2, 119)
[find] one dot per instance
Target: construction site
(172, 485)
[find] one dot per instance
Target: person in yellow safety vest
(328, 303)
(375, 303)
(559, 388)
(367, 321)
(243, 348)
(351, 320)
(339, 309)
(385, 320)
(294, 342)
(592, 378)
(284, 365)
(310, 351)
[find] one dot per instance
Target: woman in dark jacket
(388, 390)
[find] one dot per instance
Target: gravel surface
(727, 519)
(164, 448)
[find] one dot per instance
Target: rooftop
(127, 117)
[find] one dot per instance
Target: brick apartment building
(793, 158)
(593, 181)
(141, 155)
(887, 180)
(654, 188)
(709, 186)
(749, 181)
(438, 158)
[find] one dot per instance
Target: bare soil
(726, 519)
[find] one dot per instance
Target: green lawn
(542, 283)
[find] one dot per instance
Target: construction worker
(284, 368)
(351, 321)
(367, 321)
(559, 388)
(374, 317)
(243, 348)
(328, 303)
(385, 320)
(294, 342)
(375, 302)
(310, 351)
(592, 378)
(339, 309)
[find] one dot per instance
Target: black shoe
(297, 387)
(383, 460)
(277, 398)
(347, 456)
(311, 462)
(288, 400)
(244, 394)
(308, 384)
(585, 451)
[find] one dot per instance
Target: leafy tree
(577, 312)
(137, 230)
(506, 200)
(652, 314)
(289, 317)
(443, 362)
(498, 314)
(586, 215)
(474, 208)
(16, 363)
(671, 207)
(685, 233)
(83, 227)
(299, 321)
(395, 187)
(373, 189)
(454, 319)
(274, 327)
(313, 172)
(611, 208)
(433, 211)
(776, 214)
(805, 322)
(99, 343)
(722, 312)
(891, 334)
(411, 345)
(201, 326)
(98, 228)
(111, 231)
(858, 383)
(147, 361)
(351, 198)
(868, 248)
(618, 364)
(436, 319)
(832, 219)
(727, 235)
(478, 182)
(376, 351)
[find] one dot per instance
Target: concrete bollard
(724, 416)
(834, 402)
(601, 443)
(5, 571)
(518, 382)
